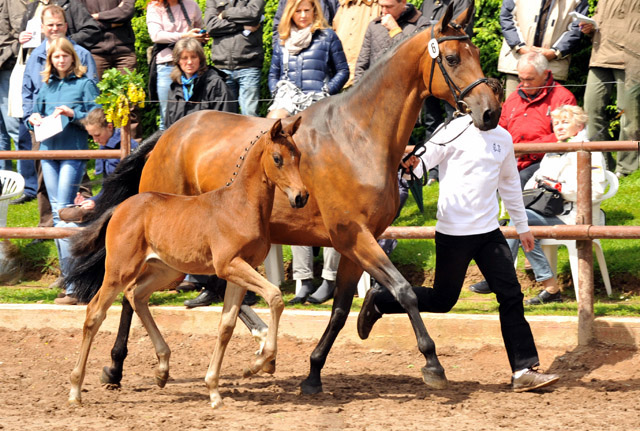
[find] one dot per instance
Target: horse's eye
(277, 159)
(453, 60)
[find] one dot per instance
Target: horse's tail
(86, 271)
(125, 180)
(88, 246)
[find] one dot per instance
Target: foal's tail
(86, 270)
(88, 246)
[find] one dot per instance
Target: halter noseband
(458, 94)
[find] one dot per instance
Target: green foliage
(119, 93)
(488, 35)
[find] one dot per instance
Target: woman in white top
(474, 164)
(168, 21)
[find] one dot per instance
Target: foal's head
(281, 162)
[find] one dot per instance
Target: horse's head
(281, 162)
(458, 78)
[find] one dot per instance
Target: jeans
(62, 179)
(244, 85)
(8, 125)
(163, 86)
(302, 262)
(27, 168)
(539, 263)
(492, 255)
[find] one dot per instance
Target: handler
(473, 165)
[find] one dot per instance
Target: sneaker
(368, 314)
(481, 287)
(22, 200)
(66, 300)
(544, 297)
(532, 379)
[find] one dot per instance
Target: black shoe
(324, 292)
(368, 314)
(188, 286)
(250, 298)
(544, 297)
(481, 287)
(22, 200)
(532, 379)
(306, 290)
(205, 298)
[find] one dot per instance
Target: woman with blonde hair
(69, 95)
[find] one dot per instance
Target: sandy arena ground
(363, 389)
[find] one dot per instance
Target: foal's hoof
(269, 367)
(247, 373)
(161, 381)
(109, 379)
(75, 402)
(435, 379)
(309, 388)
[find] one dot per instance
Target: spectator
(108, 138)
(236, 29)
(628, 160)
(350, 23)
(606, 67)
(473, 165)
(558, 170)
(11, 13)
(168, 22)
(195, 86)
(526, 114)
(399, 20)
(308, 64)
(67, 93)
(542, 26)
(329, 9)
(80, 26)
(54, 26)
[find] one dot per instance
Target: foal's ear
(275, 129)
(292, 128)
(444, 21)
(463, 19)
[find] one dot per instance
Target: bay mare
(153, 239)
(351, 146)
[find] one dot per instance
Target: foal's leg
(232, 299)
(156, 276)
(96, 313)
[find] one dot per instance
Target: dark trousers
(527, 173)
(493, 257)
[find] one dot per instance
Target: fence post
(125, 139)
(585, 251)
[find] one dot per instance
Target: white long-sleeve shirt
(474, 164)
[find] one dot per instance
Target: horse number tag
(434, 50)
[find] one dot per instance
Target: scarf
(298, 40)
(187, 86)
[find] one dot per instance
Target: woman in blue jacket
(307, 65)
(309, 57)
(68, 94)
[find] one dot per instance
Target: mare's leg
(112, 376)
(232, 300)
(346, 281)
(156, 276)
(96, 313)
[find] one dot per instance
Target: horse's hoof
(111, 380)
(308, 388)
(247, 373)
(217, 403)
(75, 402)
(161, 381)
(269, 367)
(435, 379)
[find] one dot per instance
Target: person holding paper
(543, 26)
(66, 97)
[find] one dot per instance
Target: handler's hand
(527, 241)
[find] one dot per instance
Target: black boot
(306, 290)
(206, 297)
(324, 292)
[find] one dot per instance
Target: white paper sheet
(49, 127)
(582, 18)
(34, 26)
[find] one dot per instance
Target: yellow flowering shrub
(119, 93)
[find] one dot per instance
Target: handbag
(15, 86)
(544, 200)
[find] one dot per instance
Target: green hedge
(488, 38)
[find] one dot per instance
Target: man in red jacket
(526, 114)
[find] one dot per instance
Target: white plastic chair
(550, 246)
(12, 187)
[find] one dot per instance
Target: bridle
(434, 51)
